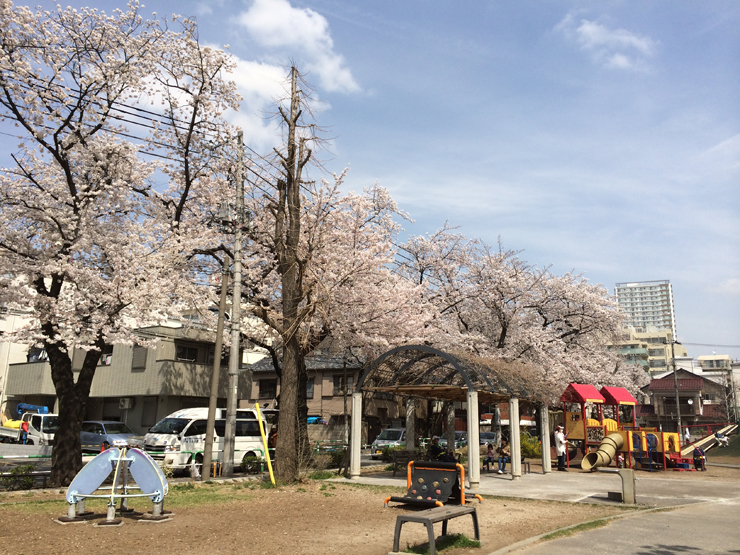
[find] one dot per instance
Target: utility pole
(675, 383)
(234, 353)
(215, 375)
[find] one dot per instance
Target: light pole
(234, 354)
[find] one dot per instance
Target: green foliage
(387, 455)
(337, 457)
(252, 465)
(531, 447)
(445, 542)
(19, 482)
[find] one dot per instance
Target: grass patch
(322, 475)
(445, 542)
(376, 489)
(586, 526)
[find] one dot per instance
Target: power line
(710, 345)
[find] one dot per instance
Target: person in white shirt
(561, 444)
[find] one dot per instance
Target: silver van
(390, 437)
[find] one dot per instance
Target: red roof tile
(684, 384)
(581, 393)
(617, 396)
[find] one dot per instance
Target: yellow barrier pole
(264, 442)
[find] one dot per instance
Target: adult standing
(561, 444)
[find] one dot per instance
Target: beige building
(651, 349)
(136, 384)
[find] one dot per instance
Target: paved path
(699, 529)
(586, 487)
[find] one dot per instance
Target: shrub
(252, 465)
(531, 447)
(19, 482)
(387, 455)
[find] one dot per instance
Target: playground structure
(149, 480)
(433, 484)
(608, 432)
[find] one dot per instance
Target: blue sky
(600, 137)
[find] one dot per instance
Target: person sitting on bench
(504, 456)
(435, 449)
(489, 460)
(700, 459)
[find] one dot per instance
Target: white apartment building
(647, 303)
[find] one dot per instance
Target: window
(339, 385)
(657, 363)
(106, 356)
(709, 397)
(138, 359)
(267, 389)
(309, 388)
(186, 353)
(656, 352)
(197, 428)
(37, 354)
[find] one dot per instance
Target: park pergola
(419, 371)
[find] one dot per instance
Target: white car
(390, 437)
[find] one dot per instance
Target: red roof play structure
(617, 396)
(581, 393)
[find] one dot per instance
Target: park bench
(433, 484)
(429, 517)
(401, 458)
(627, 495)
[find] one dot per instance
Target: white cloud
(612, 48)
(301, 32)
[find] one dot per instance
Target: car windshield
(390, 435)
(170, 426)
(118, 428)
(50, 424)
(488, 436)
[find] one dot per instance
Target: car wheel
(29, 442)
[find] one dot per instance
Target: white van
(178, 439)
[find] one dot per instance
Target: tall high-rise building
(648, 305)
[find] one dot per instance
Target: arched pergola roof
(422, 371)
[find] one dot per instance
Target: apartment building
(647, 304)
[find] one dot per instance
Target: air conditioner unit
(126, 403)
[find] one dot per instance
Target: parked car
(390, 437)
(96, 435)
(461, 440)
(488, 437)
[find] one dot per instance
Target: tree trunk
(66, 455)
(303, 444)
(286, 450)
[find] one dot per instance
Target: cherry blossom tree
(88, 237)
(493, 304)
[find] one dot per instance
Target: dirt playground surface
(312, 518)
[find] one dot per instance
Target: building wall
(653, 346)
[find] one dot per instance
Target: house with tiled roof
(700, 401)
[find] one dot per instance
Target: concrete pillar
(473, 440)
(545, 438)
(450, 433)
(356, 439)
(514, 440)
(410, 424)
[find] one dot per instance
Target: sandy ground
(312, 518)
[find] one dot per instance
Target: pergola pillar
(545, 438)
(410, 424)
(356, 439)
(473, 440)
(514, 439)
(450, 429)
